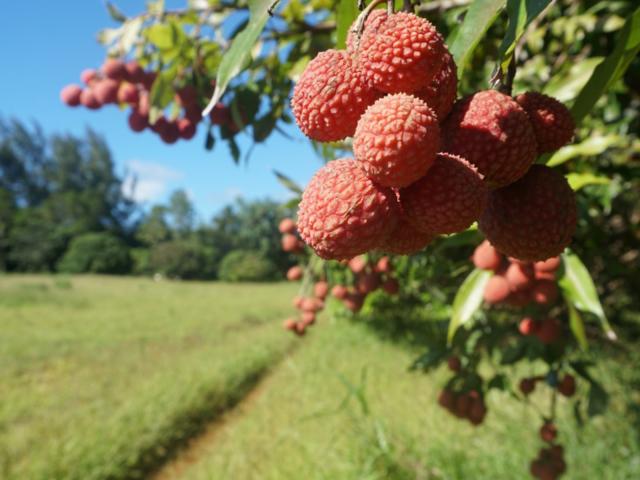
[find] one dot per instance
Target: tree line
(63, 209)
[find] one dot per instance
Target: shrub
(246, 266)
(96, 253)
(181, 259)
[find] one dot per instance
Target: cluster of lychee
(549, 464)
(127, 84)
(425, 164)
(367, 276)
(463, 403)
(566, 386)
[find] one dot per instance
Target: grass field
(102, 378)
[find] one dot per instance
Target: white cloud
(147, 181)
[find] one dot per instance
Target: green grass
(390, 427)
(101, 377)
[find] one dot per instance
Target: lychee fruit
(114, 69)
(440, 95)
(287, 225)
(527, 385)
(289, 324)
(396, 140)
(548, 331)
(220, 115)
(548, 432)
(552, 122)
(339, 291)
(128, 93)
(106, 91)
(491, 131)
(496, 290)
(405, 239)
(70, 95)
(446, 399)
(485, 257)
(331, 96)
(367, 282)
(89, 100)
(544, 292)
(170, 133)
(528, 326)
(372, 23)
(532, 219)
(294, 273)
(391, 286)
(186, 128)
(289, 243)
(549, 265)
(402, 53)
(343, 213)
(448, 199)
(454, 364)
(383, 265)
(357, 264)
(308, 317)
(321, 289)
(353, 302)
(520, 276)
(88, 75)
(301, 328)
(567, 386)
(134, 72)
(137, 122)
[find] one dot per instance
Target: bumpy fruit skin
(396, 140)
(551, 120)
(532, 219)
(405, 239)
(403, 54)
(70, 95)
(372, 23)
(448, 199)
(343, 213)
(440, 95)
(485, 257)
(331, 96)
(491, 131)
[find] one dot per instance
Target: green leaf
(346, 14)
(468, 299)
(598, 400)
(288, 183)
(210, 141)
(263, 127)
(163, 35)
(591, 146)
(234, 149)
(579, 290)
(162, 91)
(577, 326)
(115, 13)
(611, 69)
(480, 16)
(580, 180)
(521, 14)
(239, 53)
(565, 87)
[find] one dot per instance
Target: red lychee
(383, 265)
(520, 276)
(496, 290)
(551, 120)
(440, 95)
(294, 273)
(548, 331)
(567, 386)
(70, 95)
(528, 326)
(544, 292)
(331, 96)
(367, 282)
(186, 128)
(448, 199)
(532, 219)
(486, 257)
(220, 115)
(106, 91)
(491, 131)
(321, 289)
(405, 239)
(128, 93)
(290, 243)
(372, 23)
(339, 291)
(527, 385)
(343, 213)
(477, 411)
(287, 225)
(88, 99)
(137, 122)
(548, 432)
(454, 364)
(289, 324)
(357, 264)
(549, 265)
(353, 302)
(170, 134)
(403, 53)
(446, 399)
(144, 104)
(88, 76)
(134, 72)
(308, 317)
(114, 68)
(396, 140)
(391, 286)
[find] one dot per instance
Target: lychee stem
(358, 26)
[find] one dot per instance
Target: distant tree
(154, 229)
(246, 266)
(183, 259)
(7, 211)
(96, 253)
(182, 213)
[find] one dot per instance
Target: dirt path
(199, 445)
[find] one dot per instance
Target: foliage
(182, 259)
(96, 253)
(246, 266)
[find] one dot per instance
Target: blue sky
(44, 45)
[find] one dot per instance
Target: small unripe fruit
(106, 91)
(403, 54)
(88, 76)
(549, 265)
(496, 290)
(492, 132)
(186, 128)
(137, 122)
(114, 69)
(544, 292)
(372, 23)
(339, 291)
(532, 219)
(396, 140)
(70, 95)
(548, 331)
(448, 199)
(89, 100)
(128, 93)
(343, 213)
(548, 432)
(520, 277)
(331, 96)
(357, 264)
(294, 273)
(454, 364)
(527, 385)
(321, 289)
(287, 225)
(486, 257)
(528, 326)
(551, 120)
(567, 385)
